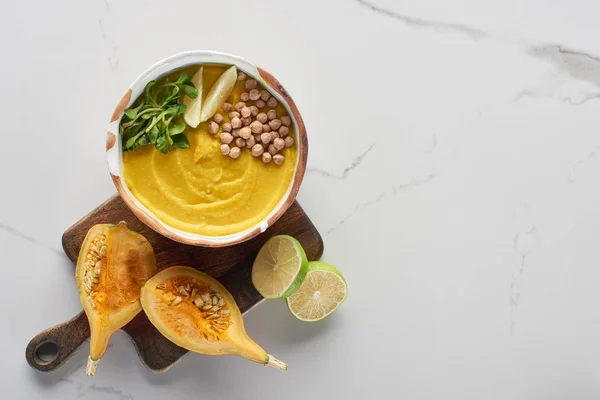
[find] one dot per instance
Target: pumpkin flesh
(109, 281)
(173, 301)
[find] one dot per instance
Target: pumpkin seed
(198, 302)
(176, 300)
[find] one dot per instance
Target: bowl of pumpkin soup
(207, 148)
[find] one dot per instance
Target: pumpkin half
(196, 312)
(113, 265)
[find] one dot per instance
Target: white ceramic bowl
(114, 152)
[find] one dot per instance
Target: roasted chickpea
(227, 107)
(271, 114)
(245, 112)
(241, 76)
(226, 127)
(245, 96)
(279, 143)
(265, 138)
(218, 118)
(283, 131)
(250, 84)
(266, 157)
(278, 159)
(213, 128)
(239, 105)
(235, 152)
(254, 94)
(272, 102)
(262, 117)
(225, 149)
(256, 127)
(286, 120)
(236, 123)
(289, 141)
(259, 103)
(257, 150)
(226, 138)
(265, 95)
(239, 142)
(245, 132)
(275, 124)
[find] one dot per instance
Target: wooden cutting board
(230, 265)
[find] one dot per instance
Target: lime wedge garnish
(218, 93)
(194, 106)
(321, 293)
(279, 267)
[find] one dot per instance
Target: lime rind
(323, 266)
(302, 271)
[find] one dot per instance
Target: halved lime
(321, 293)
(279, 267)
(218, 93)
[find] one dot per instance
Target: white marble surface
(454, 172)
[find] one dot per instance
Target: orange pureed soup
(199, 190)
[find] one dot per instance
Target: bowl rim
(179, 60)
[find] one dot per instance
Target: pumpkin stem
(90, 369)
(275, 363)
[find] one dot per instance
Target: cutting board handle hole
(46, 352)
